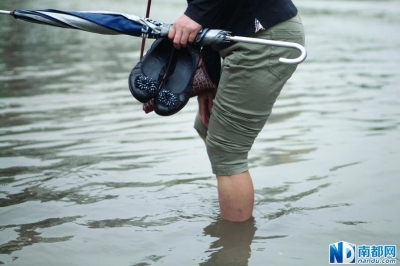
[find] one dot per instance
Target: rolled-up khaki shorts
(251, 80)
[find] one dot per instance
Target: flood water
(87, 178)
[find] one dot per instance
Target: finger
(208, 114)
(210, 102)
(171, 33)
(192, 36)
(177, 39)
(184, 39)
(204, 116)
(202, 111)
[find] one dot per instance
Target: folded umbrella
(113, 23)
(101, 22)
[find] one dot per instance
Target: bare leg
(236, 197)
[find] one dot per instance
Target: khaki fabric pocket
(284, 71)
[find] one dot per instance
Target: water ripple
(28, 234)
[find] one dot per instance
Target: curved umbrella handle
(297, 46)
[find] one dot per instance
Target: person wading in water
(250, 82)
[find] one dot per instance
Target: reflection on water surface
(86, 178)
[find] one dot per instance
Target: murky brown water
(88, 179)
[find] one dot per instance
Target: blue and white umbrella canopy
(112, 23)
(101, 22)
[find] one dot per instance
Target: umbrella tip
(5, 12)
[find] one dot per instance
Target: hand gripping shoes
(175, 93)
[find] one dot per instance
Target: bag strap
(144, 39)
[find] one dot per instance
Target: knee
(226, 159)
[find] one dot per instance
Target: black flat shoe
(175, 94)
(146, 77)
